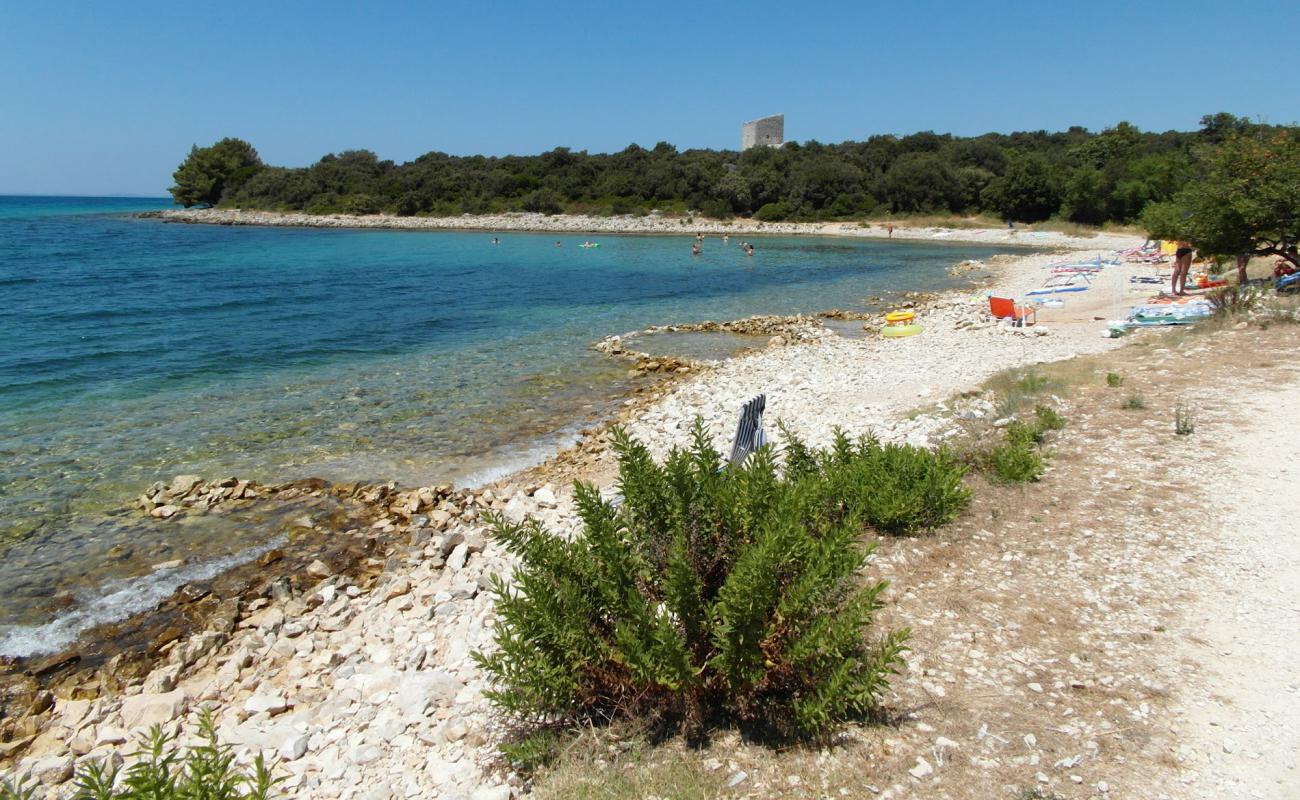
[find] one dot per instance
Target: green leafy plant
(1014, 461)
(1019, 457)
(1047, 419)
(17, 790)
(163, 772)
(1236, 299)
(1134, 403)
(1114, 380)
(714, 593)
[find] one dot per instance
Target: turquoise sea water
(133, 350)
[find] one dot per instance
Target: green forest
(1076, 175)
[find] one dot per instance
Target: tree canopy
(1245, 201)
(209, 174)
(1075, 175)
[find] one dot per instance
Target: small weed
(1047, 419)
(1037, 794)
(1032, 383)
(537, 749)
(1014, 461)
(1232, 300)
(1184, 421)
(1018, 458)
(1114, 380)
(1134, 403)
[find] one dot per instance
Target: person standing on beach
(891, 231)
(1182, 265)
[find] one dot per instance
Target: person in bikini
(1182, 265)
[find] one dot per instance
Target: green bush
(713, 594)
(1016, 460)
(1134, 403)
(543, 201)
(205, 772)
(1019, 457)
(773, 212)
(1114, 380)
(1047, 419)
(896, 489)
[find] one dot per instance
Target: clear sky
(106, 98)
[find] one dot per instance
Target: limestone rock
(146, 710)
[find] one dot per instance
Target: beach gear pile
(1164, 310)
(1071, 276)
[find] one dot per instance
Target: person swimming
(695, 249)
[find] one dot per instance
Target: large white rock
(53, 771)
(146, 710)
(295, 747)
(271, 702)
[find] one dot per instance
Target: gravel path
(1241, 714)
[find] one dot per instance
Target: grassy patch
(1020, 388)
(1133, 403)
(1114, 380)
(590, 772)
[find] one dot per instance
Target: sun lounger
(749, 430)
(749, 436)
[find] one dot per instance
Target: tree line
(1076, 175)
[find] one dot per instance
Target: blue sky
(106, 98)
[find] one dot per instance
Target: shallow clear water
(132, 350)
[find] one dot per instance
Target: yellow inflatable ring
(899, 317)
(899, 331)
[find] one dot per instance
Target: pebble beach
(364, 685)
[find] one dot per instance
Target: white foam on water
(117, 600)
(521, 459)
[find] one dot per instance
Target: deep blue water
(132, 350)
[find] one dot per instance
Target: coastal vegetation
(713, 593)
(1076, 176)
(163, 771)
(1245, 201)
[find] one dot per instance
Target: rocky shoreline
(346, 656)
(653, 224)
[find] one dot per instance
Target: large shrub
(714, 593)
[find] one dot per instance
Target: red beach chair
(1006, 308)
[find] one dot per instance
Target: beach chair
(1006, 308)
(749, 430)
(749, 437)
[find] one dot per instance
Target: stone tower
(765, 132)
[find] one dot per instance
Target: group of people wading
(698, 246)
